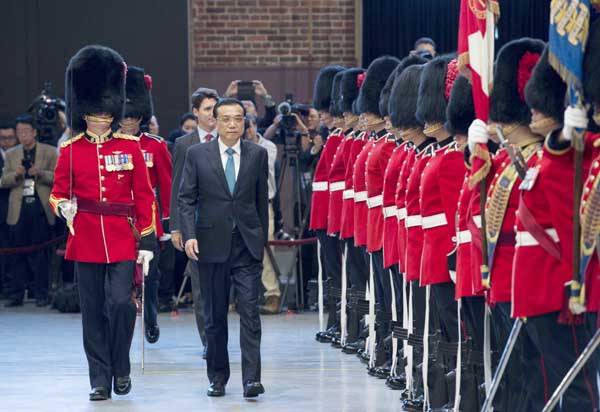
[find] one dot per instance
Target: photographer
(248, 93)
(29, 173)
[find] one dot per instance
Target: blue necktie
(230, 169)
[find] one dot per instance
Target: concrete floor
(43, 368)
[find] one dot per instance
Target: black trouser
(331, 258)
(357, 265)
(31, 228)
(242, 271)
(151, 283)
(108, 318)
(171, 274)
(443, 294)
(397, 285)
(198, 300)
(381, 277)
(559, 346)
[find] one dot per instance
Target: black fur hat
(591, 62)
(545, 91)
(460, 112)
(95, 83)
(377, 74)
(384, 98)
(349, 88)
(403, 98)
(323, 86)
(432, 102)
(336, 91)
(138, 100)
(512, 70)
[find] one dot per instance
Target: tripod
(291, 164)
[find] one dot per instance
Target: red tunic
(376, 164)
(401, 205)
(108, 171)
(360, 196)
(320, 185)
(347, 224)
(538, 277)
(390, 215)
(414, 232)
(337, 185)
(160, 170)
(440, 187)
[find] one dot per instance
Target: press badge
(29, 187)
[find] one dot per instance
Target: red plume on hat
(148, 80)
(360, 79)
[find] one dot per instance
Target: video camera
(287, 109)
(45, 110)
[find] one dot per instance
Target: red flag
(476, 49)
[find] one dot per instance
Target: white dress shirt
(236, 156)
(202, 133)
(272, 158)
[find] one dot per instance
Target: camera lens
(284, 108)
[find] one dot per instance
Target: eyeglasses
(227, 119)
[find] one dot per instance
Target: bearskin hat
(377, 74)
(591, 62)
(513, 68)
(138, 100)
(460, 112)
(323, 86)
(349, 88)
(94, 83)
(403, 98)
(384, 98)
(336, 92)
(545, 91)
(434, 89)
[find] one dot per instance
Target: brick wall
(285, 41)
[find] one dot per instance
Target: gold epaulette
(125, 136)
(71, 140)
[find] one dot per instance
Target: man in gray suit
(223, 207)
(203, 102)
(28, 173)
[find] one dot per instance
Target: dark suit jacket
(181, 145)
(208, 210)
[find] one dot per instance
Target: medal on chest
(149, 158)
(118, 162)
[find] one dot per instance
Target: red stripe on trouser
(588, 385)
(543, 368)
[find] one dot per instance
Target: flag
(476, 49)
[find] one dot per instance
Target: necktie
(208, 138)
(230, 169)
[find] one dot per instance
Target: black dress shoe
(13, 303)
(122, 385)
(99, 394)
(216, 389)
(204, 352)
(152, 333)
(253, 389)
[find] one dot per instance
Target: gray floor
(43, 368)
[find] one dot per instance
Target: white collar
(236, 147)
(202, 133)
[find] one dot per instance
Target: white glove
(478, 133)
(144, 257)
(165, 237)
(575, 118)
(68, 210)
(452, 276)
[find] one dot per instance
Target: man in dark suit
(8, 139)
(203, 102)
(223, 206)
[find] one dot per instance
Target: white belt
(401, 213)
(527, 239)
(477, 221)
(360, 196)
(348, 194)
(375, 201)
(319, 186)
(434, 221)
(389, 211)
(337, 186)
(464, 236)
(411, 221)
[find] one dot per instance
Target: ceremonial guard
(356, 260)
(102, 190)
(509, 113)
(138, 111)
(329, 247)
